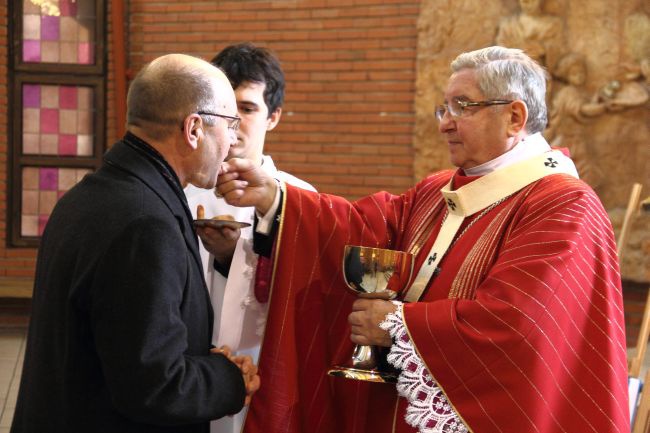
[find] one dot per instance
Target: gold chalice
(379, 274)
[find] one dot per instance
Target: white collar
(529, 146)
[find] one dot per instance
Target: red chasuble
(522, 327)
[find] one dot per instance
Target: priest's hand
(220, 242)
(248, 369)
(365, 318)
(243, 183)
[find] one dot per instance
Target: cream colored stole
(477, 196)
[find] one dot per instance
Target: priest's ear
(518, 117)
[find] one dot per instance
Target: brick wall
(350, 67)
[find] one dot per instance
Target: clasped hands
(364, 320)
(248, 370)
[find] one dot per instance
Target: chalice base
(364, 375)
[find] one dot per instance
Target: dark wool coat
(120, 333)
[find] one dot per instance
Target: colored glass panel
(50, 28)
(30, 178)
(84, 145)
(42, 187)
(31, 51)
(30, 7)
(85, 98)
(32, 27)
(68, 7)
(49, 120)
(31, 143)
(59, 32)
(68, 97)
(68, 145)
(30, 202)
(29, 225)
(84, 54)
(58, 120)
(49, 144)
(50, 96)
(50, 52)
(48, 178)
(68, 121)
(31, 120)
(69, 52)
(31, 95)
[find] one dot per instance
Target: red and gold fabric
(521, 327)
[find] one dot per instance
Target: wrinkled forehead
(463, 84)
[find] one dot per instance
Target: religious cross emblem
(551, 163)
(432, 258)
(451, 204)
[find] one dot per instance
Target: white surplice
(239, 319)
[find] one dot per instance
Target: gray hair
(508, 73)
(167, 90)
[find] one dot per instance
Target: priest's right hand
(243, 183)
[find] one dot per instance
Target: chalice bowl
(378, 274)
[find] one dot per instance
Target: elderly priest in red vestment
(513, 318)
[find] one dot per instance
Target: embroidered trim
(428, 409)
(471, 223)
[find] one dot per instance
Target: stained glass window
(57, 120)
(59, 31)
(58, 109)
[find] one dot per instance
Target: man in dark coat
(120, 334)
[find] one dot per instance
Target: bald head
(169, 88)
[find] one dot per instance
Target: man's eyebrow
(458, 98)
(247, 102)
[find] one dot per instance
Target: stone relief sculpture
(539, 34)
(637, 40)
(635, 86)
(601, 116)
(569, 112)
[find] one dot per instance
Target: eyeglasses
(457, 107)
(233, 121)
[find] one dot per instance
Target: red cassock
(522, 327)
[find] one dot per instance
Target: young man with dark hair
(228, 258)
